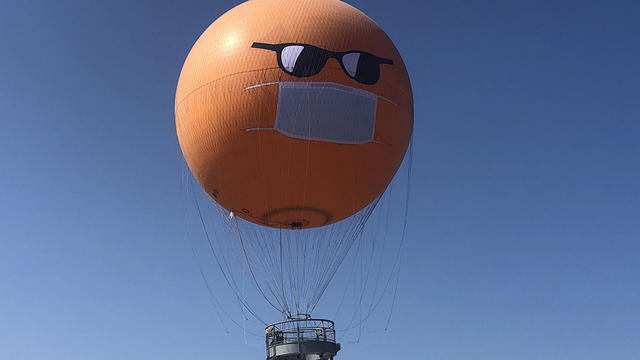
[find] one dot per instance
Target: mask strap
(387, 100)
(260, 85)
(258, 129)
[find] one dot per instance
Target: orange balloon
(294, 113)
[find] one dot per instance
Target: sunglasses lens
(367, 67)
(302, 61)
(289, 56)
(350, 63)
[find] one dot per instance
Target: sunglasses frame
(338, 55)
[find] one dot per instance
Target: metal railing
(297, 330)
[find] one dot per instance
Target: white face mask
(325, 111)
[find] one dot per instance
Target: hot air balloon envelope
(294, 113)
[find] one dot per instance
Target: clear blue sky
(524, 227)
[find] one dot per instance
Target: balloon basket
(301, 338)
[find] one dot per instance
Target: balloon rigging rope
(273, 287)
(216, 302)
(394, 273)
(183, 174)
(339, 258)
(206, 232)
(284, 297)
(404, 232)
(253, 276)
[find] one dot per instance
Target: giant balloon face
(294, 113)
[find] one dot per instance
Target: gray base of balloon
(301, 338)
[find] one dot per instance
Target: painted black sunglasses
(303, 60)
